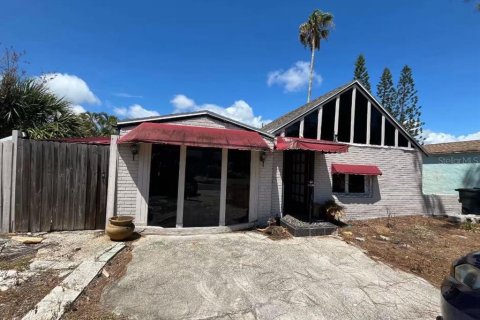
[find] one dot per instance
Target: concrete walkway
(246, 276)
(54, 304)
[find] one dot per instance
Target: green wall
(442, 174)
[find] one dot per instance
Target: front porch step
(300, 228)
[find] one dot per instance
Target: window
(402, 141)
(328, 121)
(293, 131)
(238, 187)
(361, 110)
(389, 134)
(376, 127)
(345, 116)
(356, 184)
(338, 183)
(310, 125)
(351, 184)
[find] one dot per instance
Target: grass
(19, 264)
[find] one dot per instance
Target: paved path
(246, 276)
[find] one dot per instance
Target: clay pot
(120, 227)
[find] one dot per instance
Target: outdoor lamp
(134, 150)
(263, 156)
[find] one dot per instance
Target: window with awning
(353, 180)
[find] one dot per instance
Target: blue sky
(146, 57)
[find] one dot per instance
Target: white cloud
(127, 95)
(441, 137)
(77, 109)
(293, 79)
(135, 111)
(70, 87)
(239, 110)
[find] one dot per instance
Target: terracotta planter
(120, 227)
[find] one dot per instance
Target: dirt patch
(19, 300)
(425, 246)
(88, 305)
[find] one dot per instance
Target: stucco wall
(442, 174)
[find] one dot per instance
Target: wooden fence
(56, 186)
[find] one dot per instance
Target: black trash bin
(470, 200)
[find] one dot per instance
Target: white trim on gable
(356, 86)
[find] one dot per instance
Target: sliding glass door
(202, 187)
(162, 202)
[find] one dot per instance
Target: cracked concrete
(246, 276)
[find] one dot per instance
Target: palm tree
(27, 105)
(316, 28)
(98, 124)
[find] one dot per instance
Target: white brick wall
(127, 174)
(399, 188)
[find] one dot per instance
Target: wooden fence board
(80, 186)
(59, 185)
(47, 191)
(91, 197)
(23, 210)
(36, 187)
(102, 203)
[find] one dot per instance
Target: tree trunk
(310, 80)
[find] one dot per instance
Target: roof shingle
(453, 147)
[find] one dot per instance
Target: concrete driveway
(247, 276)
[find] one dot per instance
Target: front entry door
(298, 183)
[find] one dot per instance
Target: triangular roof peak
(295, 115)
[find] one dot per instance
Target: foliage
(333, 210)
(361, 72)
(27, 105)
(386, 92)
(98, 124)
(311, 32)
(409, 112)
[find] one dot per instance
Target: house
(201, 169)
(450, 166)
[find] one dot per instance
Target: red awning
(364, 170)
(282, 143)
(195, 136)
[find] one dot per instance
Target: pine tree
(386, 93)
(361, 73)
(409, 112)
